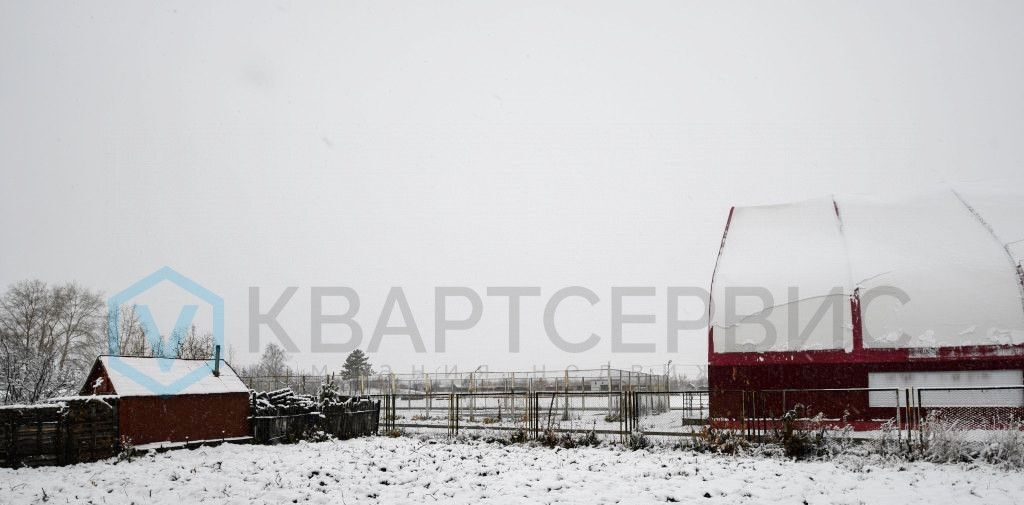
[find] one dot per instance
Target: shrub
(944, 442)
(567, 441)
(638, 440)
(328, 393)
(889, 441)
(719, 441)
(518, 437)
(1005, 448)
(549, 438)
(589, 439)
(127, 450)
(815, 438)
(317, 435)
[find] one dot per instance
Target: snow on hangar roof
(165, 372)
(951, 253)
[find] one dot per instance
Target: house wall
(179, 418)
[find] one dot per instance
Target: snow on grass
(411, 470)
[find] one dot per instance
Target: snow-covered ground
(410, 470)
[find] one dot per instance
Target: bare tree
(80, 329)
(129, 333)
(23, 319)
(47, 337)
(273, 361)
(132, 339)
(191, 344)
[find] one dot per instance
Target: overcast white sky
(417, 144)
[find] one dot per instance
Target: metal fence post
(583, 397)
(637, 406)
(451, 415)
(910, 421)
(565, 401)
(426, 389)
(920, 417)
(609, 385)
(536, 415)
(742, 410)
(899, 427)
(622, 417)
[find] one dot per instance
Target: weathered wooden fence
(354, 419)
(346, 420)
(286, 428)
(64, 432)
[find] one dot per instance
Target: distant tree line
(50, 335)
(273, 364)
(131, 338)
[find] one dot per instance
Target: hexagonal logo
(152, 333)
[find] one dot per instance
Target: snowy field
(410, 470)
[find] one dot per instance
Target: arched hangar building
(926, 290)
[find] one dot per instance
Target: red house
(856, 293)
(211, 403)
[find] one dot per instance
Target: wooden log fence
(346, 420)
(65, 432)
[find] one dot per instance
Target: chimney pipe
(216, 361)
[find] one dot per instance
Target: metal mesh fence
(542, 413)
(672, 413)
(970, 408)
(856, 409)
(762, 412)
(416, 411)
(580, 412)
